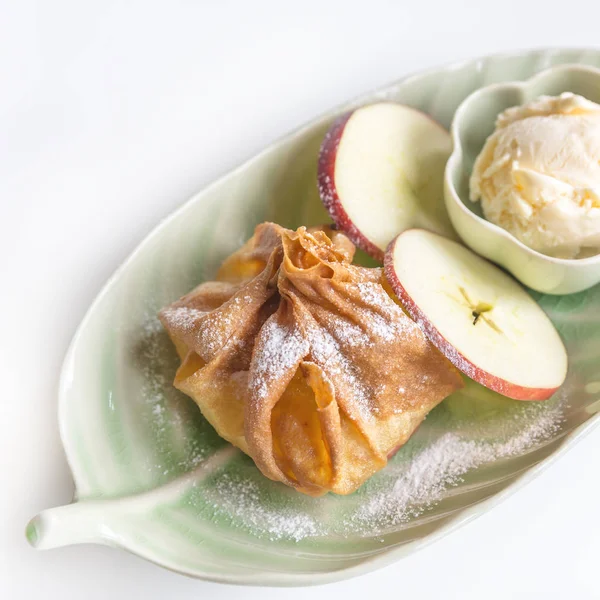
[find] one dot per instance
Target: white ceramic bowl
(473, 122)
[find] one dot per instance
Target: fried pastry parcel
(304, 361)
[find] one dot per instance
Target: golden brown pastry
(303, 361)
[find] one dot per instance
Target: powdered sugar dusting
(182, 317)
(349, 333)
(444, 452)
(155, 382)
(280, 349)
(240, 499)
(174, 444)
(325, 351)
(386, 319)
(423, 481)
(214, 333)
(219, 325)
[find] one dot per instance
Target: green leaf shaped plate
(154, 478)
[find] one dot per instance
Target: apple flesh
(480, 318)
(381, 171)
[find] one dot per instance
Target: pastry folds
(303, 360)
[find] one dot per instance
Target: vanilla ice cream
(538, 175)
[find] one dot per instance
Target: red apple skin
(395, 449)
(510, 390)
(328, 191)
(327, 187)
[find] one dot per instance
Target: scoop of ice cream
(538, 175)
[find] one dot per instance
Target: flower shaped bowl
(473, 122)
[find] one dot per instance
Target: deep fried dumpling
(303, 361)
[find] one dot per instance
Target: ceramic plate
(154, 478)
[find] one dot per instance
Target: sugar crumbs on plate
(446, 451)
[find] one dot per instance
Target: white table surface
(112, 114)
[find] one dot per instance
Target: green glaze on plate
(154, 478)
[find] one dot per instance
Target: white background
(112, 113)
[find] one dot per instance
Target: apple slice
(381, 170)
(480, 318)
